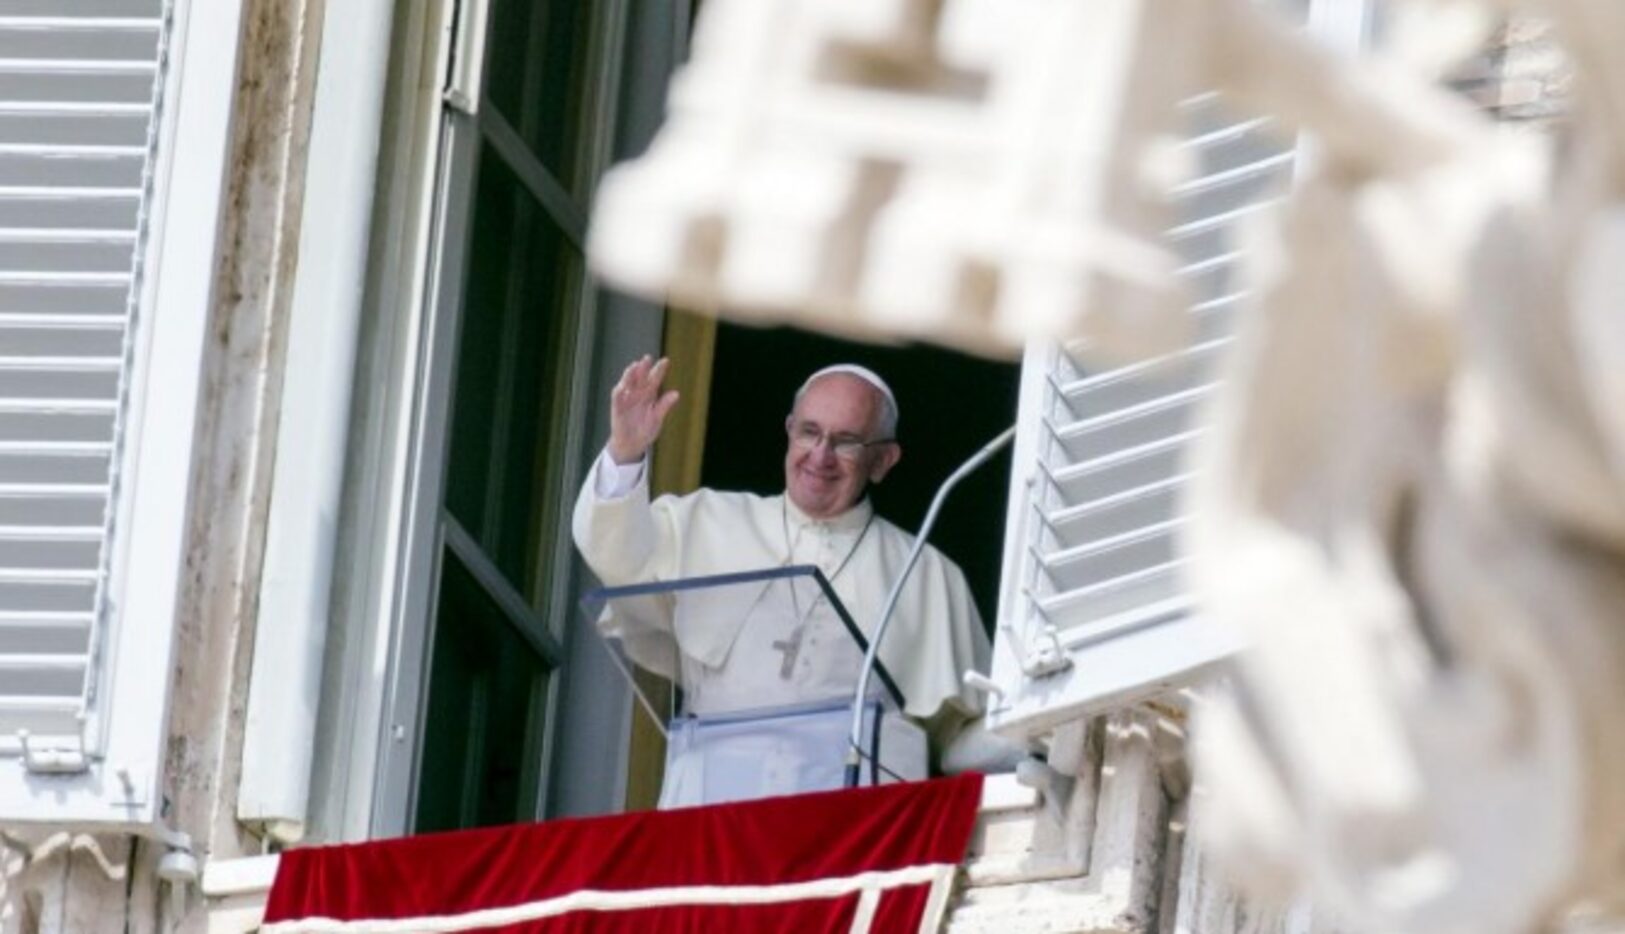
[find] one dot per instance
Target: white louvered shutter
(1093, 611)
(98, 376)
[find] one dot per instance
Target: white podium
(763, 665)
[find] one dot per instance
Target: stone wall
(1522, 77)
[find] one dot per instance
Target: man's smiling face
(835, 408)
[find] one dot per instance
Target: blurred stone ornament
(1411, 493)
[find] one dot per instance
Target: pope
(841, 437)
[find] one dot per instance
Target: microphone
(855, 739)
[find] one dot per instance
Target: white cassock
(935, 636)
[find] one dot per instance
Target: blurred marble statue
(1411, 489)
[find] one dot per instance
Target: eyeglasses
(808, 436)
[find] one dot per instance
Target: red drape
(868, 859)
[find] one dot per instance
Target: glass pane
(522, 279)
(483, 732)
(538, 52)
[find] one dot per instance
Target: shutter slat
(1211, 139)
(1189, 371)
(1145, 422)
(72, 595)
(72, 192)
(47, 148)
(1208, 264)
(68, 576)
(1060, 560)
(57, 406)
(55, 448)
(1104, 560)
(54, 663)
(40, 716)
(43, 675)
(64, 235)
(47, 109)
(48, 84)
(1089, 510)
(49, 533)
(1080, 638)
(1126, 456)
(1077, 379)
(1122, 594)
(42, 466)
(46, 510)
(1120, 473)
(47, 321)
(46, 67)
(48, 208)
(1219, 223)
(133, 40)
(42, 129)
(80, 23)
(1218, 303)
(44, 633)
(94, 364)
(83, 8)
(63, 340)
(53, 489)
(12, 619)
(44, 166)
(1250, 172)
(1127, 413)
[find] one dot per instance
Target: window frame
(380, 641)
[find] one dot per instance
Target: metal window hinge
(977, 681)
(53, 755)
(465, 55)
(1040, 661)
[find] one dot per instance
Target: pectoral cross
(791, 647)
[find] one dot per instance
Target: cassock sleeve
(624, 539)
(627, 539)
(941, 638)
(632, 540)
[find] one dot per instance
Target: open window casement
(110, 193)
(1093, 611)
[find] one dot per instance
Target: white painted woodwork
(99, 385)
(1092, 572)
(77, 104)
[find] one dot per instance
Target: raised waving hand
(637, 409)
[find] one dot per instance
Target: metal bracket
(131, 791)
(1043, 660)
(53, 755)
(977, 681)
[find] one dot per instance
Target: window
(110, 183)
(486, 579)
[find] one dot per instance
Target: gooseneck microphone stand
(854, 755)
